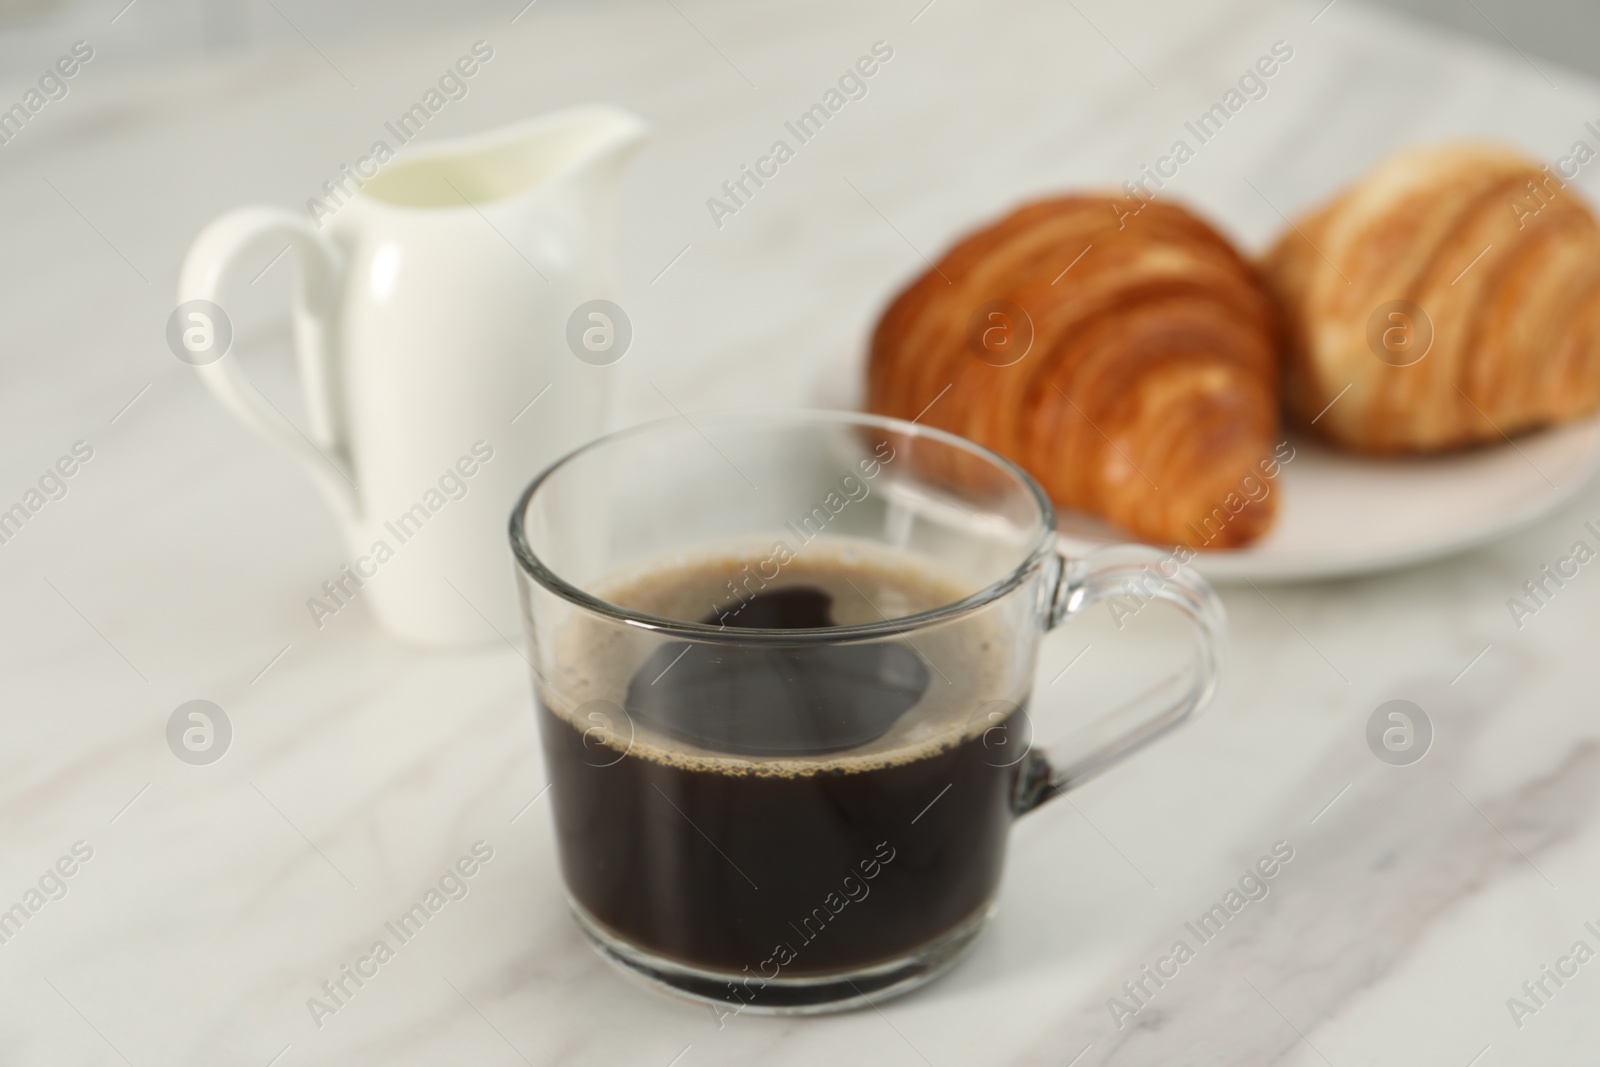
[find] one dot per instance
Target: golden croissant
(1449, 298)
(1121, 351)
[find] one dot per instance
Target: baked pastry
(1454, 292)
(1121, 351)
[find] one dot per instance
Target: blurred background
(167, 31)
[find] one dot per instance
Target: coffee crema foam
(974, 661)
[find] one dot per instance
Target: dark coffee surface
(861, 819)
(805, 699)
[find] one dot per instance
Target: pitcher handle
(322, 450)
(1142, 574)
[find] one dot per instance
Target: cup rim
(535, 568)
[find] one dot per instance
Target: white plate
(1340, 514)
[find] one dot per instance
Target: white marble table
(219, 898)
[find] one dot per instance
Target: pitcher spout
(594, 142)
(585, 145)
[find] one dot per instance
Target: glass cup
(782, 664)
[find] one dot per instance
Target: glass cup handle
(1145, 573)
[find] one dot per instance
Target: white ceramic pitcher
(432, 308)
